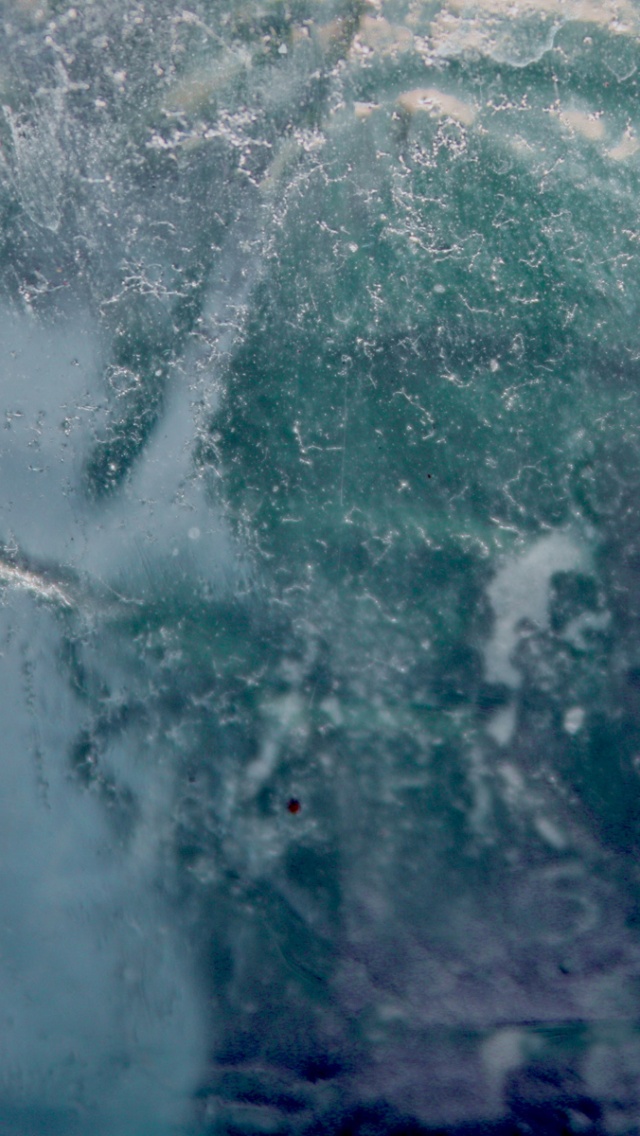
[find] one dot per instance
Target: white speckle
(514, 785)
(502, 1052)
(363, 110)
(437, 103)
(626, 148)
(439, 289)
(590, 126)
(573, 719)
(391, 1012)
(550, 832)
(32, 582)
(194, 533)
(494, 366)
(502, 724)
(579, 630)
(286, 713)
(520, 592)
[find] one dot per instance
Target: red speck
(294, 805)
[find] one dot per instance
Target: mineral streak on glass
(320, 567)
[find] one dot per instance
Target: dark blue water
(320, 568)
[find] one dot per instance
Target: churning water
(319, 567)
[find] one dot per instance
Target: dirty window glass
(319, 567)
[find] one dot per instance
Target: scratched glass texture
(319, 567)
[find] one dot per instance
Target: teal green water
(320, 564)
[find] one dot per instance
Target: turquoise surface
(320, 568)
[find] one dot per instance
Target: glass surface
(319, 567)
